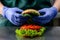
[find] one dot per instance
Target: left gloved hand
(14, 15)
(48, 15)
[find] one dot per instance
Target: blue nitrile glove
(48, 15)
(14, 15)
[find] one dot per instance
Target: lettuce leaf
(30, 32)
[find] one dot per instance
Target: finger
(42, 11)
(16, 14)
(43, 17)
(20, 17)
(17, 23)
(44, 21)
(18, 10)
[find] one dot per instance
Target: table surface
(8, 33)
(58, 15)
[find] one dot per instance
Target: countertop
(9, 34)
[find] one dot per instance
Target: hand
(48, 15)
(14, 15)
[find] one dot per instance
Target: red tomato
(31, 26)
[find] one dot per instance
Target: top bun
(31, 12)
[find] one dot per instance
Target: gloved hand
(14, 15)
(48, 15)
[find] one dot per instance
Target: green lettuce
(29, 32)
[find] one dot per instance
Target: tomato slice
(31, 26)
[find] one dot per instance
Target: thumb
(43, 17)
(42, 11)
(18, 10)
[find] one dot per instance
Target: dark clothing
(27, 4)
(23, 4)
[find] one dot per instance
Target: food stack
(30, 29)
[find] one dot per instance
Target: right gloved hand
(48, 15)
(12, 14)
